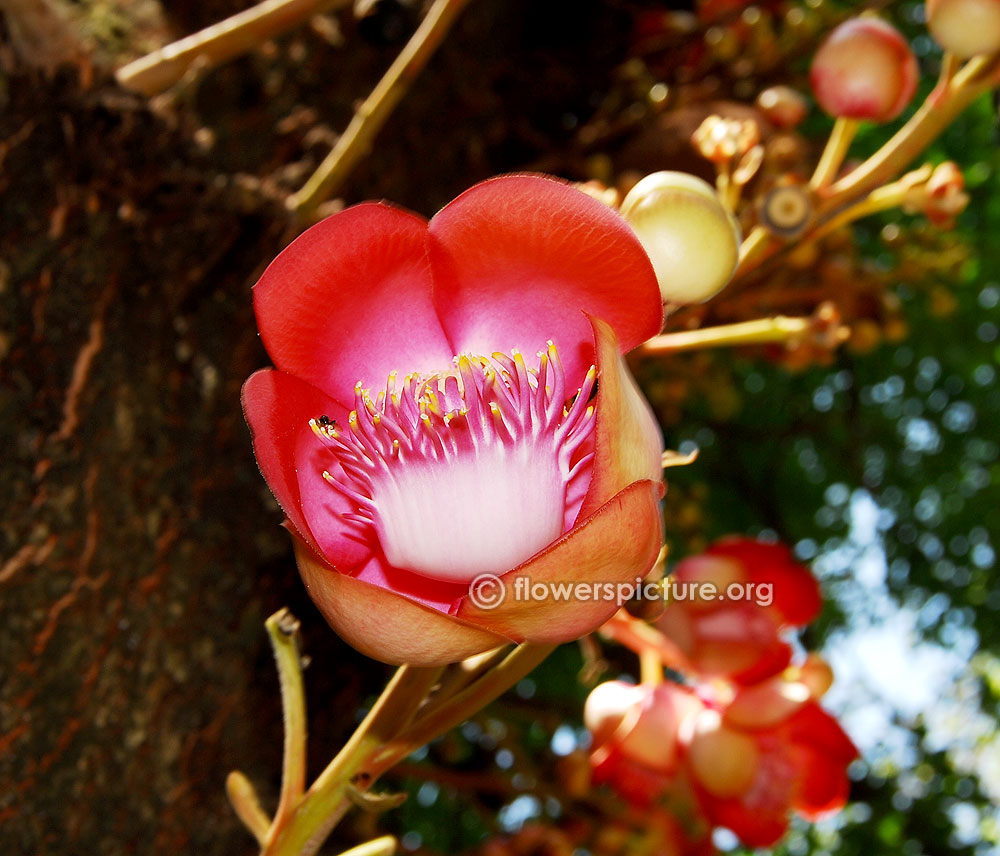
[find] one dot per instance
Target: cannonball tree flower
(637, 734)
(734, 630)
(768, 751)
(449, 405)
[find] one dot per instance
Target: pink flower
(739, 633)
(720, 754)
(637, 734)
(770, 751)
(450, 401)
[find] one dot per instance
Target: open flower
(721, 754)
(771, 750)
(637, 734)
(450, 407)
(737, 631)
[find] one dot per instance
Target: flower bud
(965, 27)
(692, 241)
(940, 195)
(864, 70)
(782, 106)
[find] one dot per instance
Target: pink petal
(384, 625)
(291, 458)
(519, 258)
(628, 445)
(617, 544)
(350, 300)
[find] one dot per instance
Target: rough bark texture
(139, 548)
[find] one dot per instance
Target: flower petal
(350, 300)
(617, 544)
(766, 704)
(824, 752)
(796, 593)
(518, 257)
(278, 408)
(628, 445)
(756, 826)
(384, 625)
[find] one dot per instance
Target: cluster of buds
(723, 140)
(743, 742)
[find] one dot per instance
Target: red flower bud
(864, 70)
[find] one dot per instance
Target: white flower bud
(692, 241)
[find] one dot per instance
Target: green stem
(283, 631)
(326, 802)
(244, 800)
(953, 94)
(941, 108)
(516, 665)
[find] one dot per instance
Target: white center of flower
(467, 472)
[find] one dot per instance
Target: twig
(219, 43)
(844, 131)
(461, 706)
(357, 140)
(762, 331)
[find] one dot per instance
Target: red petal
(291, 458)
(797, 595)
(350, 300)
(384, 625)
(756, 826)
(518, 259)
(628, 445)
(615, 545)
(824, 752)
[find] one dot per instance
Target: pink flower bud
(965, 27)
(782, 106)
(864, 70)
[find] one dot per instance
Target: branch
(357, 140)
(219, 43)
